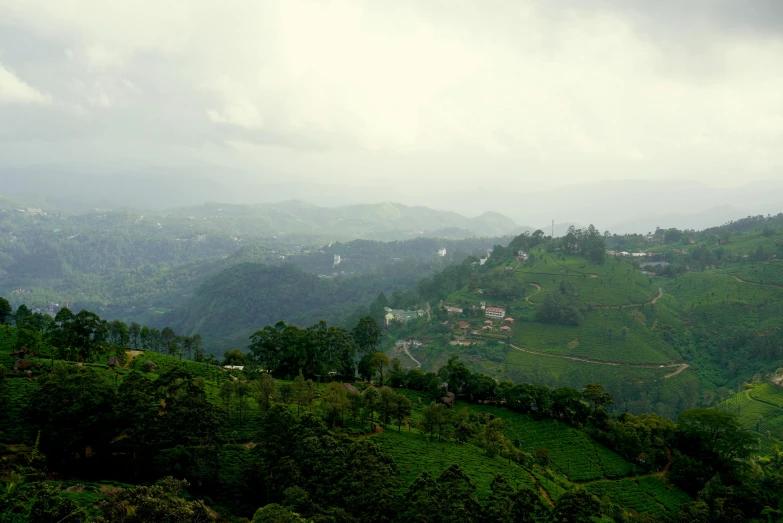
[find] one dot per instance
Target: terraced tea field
(760, 410)
(643, 494)
(572, 453)
(413, 455)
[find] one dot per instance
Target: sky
(411, 94)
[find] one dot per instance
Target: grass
(413, 455)
(760, 410)
(572, 453)
(643, 494)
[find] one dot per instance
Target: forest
(94, 430)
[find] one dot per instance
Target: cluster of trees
(589, 243)
(561, 306)
(285, 350)
(84, 336)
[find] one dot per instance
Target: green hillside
(576, 459)
(695, 320)
(760, 410)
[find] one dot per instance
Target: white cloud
(15, 90)
(514, 83)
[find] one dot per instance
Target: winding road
(679, 366)
(408, 352)
(538, 289)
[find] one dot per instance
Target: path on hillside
(776, 285)
(538, 289)
(570, 269)
(541, 489)
(131, 354)
(680, 366)
(408, 352)
(652, 301)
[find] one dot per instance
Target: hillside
(576, 459)
(650, 334)
(135, 265)
(72, 389)
(760, 410)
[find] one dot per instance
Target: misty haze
(371, 261)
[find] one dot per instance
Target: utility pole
(553, 228)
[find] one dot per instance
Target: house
(505, 328)
(233, 367)
(441, 252)
(625, 253)
(488, 322)
(522, 255)
(402, 316)
(337, 260)
(487, 327)
(452, 310)
(509, 320)
(463, 325)
(494, 312)
(638, 254)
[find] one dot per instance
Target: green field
(414, 455)
(572, 453)
(643, 494)
(760, 410)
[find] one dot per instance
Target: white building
(337, 260)
(441, 252)
(494, 312)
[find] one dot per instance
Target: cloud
(15, 90)
(527, 89)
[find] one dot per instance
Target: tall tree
(134, 331)
(5, 311)
(378, 362)
(366, 335)
(267, 388)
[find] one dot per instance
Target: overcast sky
(415, 92)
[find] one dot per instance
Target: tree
(491, 436)
(507, 506)
(233, 357)
(577, 506)
(226, 393)
(367, 335)
(134, 331)
(596, 393)
(378, 361)
(355, 404)
(274, 513)
(198, 351)
(459, 503)
(242, 389)
(51, 505)
(5, 311)
(118, 333)
(160, 503)
(22, 312)
(718, 431)
(144, 336)
(73, 409)
(300, 392)
(401, 409)
(334, 401)
(433, 417)
(370, 483)
(371, 398)
(267, 388)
